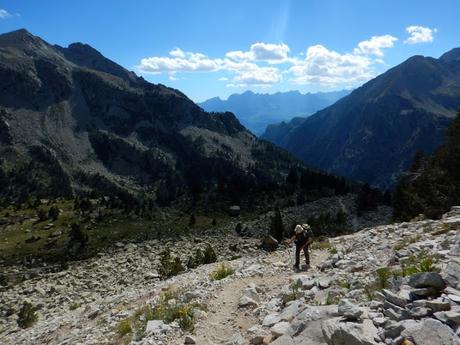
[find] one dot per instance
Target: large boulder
(349, 310)
(430, 332)
(427, 280)
(338, 332)
(452, 274)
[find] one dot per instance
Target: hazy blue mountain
(256, 111)
(372, 134)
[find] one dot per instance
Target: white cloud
(264, 64)
(4, 14)
(273, 53)
(419, 34)
(258, 76)
(330, 68)
(177, 52)
(246, 73)
(375, 44)
(178, 61)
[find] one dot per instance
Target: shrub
(406, 241)
(345, 284)
(53, 213)
(419, 263)
(27, 316)
(209, 255)
(383, 275)
(293, 294)
(124, 327)
(169, 266)
(321, 245)
(192, 220)
(77, 236)
(331, 299)
(222, 272)
(4, 280)
(196, 260)
(370, 293)
(42, 215)
(172, 307)
(74, 306)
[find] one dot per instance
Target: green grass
(170, 306)
(116, 226)
(293, 294)
(332, 300)
(74, 306)
(321, 245)
(222, 272)
(403, 243)
(124, 327)
(383, 276)
(27, 315)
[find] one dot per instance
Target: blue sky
(210, 48)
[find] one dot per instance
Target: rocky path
(227, 318)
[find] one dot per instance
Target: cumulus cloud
(246, 72)
(375, 44)
(4, 14)
(330, 68)
(265, 64)
(259, 76)
(179, 61)
(419, 34)
(273, 53)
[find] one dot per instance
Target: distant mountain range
(372, 134)
(73, 122)
(256, 111)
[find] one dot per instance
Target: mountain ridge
(372, 134)
(257, 110)
(98, 125)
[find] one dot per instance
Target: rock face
(365, 135)
(84, 122)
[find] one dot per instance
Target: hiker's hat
(298, 229)
(306, 227)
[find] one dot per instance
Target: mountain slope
(432, 186)
(372, 134)
(72, 121)
(256, 111)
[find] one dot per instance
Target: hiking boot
(296, 267)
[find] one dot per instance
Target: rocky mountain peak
(451, 55)
(23, 40)
(85, 55)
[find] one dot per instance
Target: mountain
(432, 185)
(256, 111)
(372, 134)
(279, 132)
(73, 122)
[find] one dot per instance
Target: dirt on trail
(225, 318)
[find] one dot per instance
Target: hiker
(303, 237)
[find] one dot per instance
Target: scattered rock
(349, 310)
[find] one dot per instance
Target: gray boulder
(283, 340)
(452, 274)
(427, 280)
(349, 310)
(430, 332)
(337, 332)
